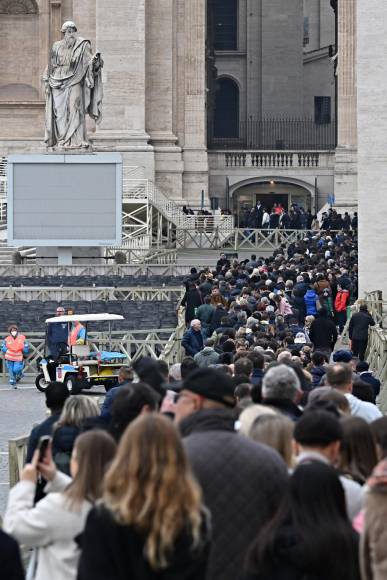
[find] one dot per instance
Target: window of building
(226, 117)
(322, 110)
(306, 30)
(225, 19)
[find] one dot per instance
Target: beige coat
(373, 545)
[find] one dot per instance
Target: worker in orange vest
(15, 347)
(77, 334)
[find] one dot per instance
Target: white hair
(194, 322)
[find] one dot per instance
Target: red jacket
(341, 300)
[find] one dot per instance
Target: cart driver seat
(81, 350)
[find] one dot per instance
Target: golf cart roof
(86, 318)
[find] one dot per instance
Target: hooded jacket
(242, 483)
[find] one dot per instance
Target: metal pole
(316, 196)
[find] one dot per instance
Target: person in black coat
(258, 215)
(358, 331)
(56, 395)
(192, 299)
(323, 332)
(311, 537)
(11, 564)
(242, 481)
(151, 523)
(363, 370)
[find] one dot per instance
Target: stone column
(372, 144)
(195, 177)
(346, 153)
(120, 37)
(160, 103)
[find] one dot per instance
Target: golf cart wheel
(41, 383)
(73, 385)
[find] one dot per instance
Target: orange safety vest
(74, 334)
(15, 348)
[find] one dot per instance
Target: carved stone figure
(73, 83)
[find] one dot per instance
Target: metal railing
(133, 344)
(38, 270)
(140, 189)
(239, 239)
(279, 134)
(376, 353)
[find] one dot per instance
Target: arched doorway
(269, 192)
(226, 114)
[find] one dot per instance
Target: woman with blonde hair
(151, 523)
(54, 523)
(276, 431)
(69, 425)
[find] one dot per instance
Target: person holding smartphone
(54, 523)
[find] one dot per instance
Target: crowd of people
(296, 218)
(262, 455)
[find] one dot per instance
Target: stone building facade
(162, 76)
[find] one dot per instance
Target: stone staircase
(6, 253)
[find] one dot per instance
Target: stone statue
(73, 83)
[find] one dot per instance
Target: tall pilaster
(195, 177)
(372, 144)
(346, 153)
(160, 55)
(120, 37)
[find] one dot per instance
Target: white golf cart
(78, 366)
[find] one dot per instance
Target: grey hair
(280, 382)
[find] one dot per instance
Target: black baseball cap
(211, 384)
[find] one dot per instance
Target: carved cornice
(18, 7)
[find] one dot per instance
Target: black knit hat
(211, 384)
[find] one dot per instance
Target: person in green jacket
(204, 313)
